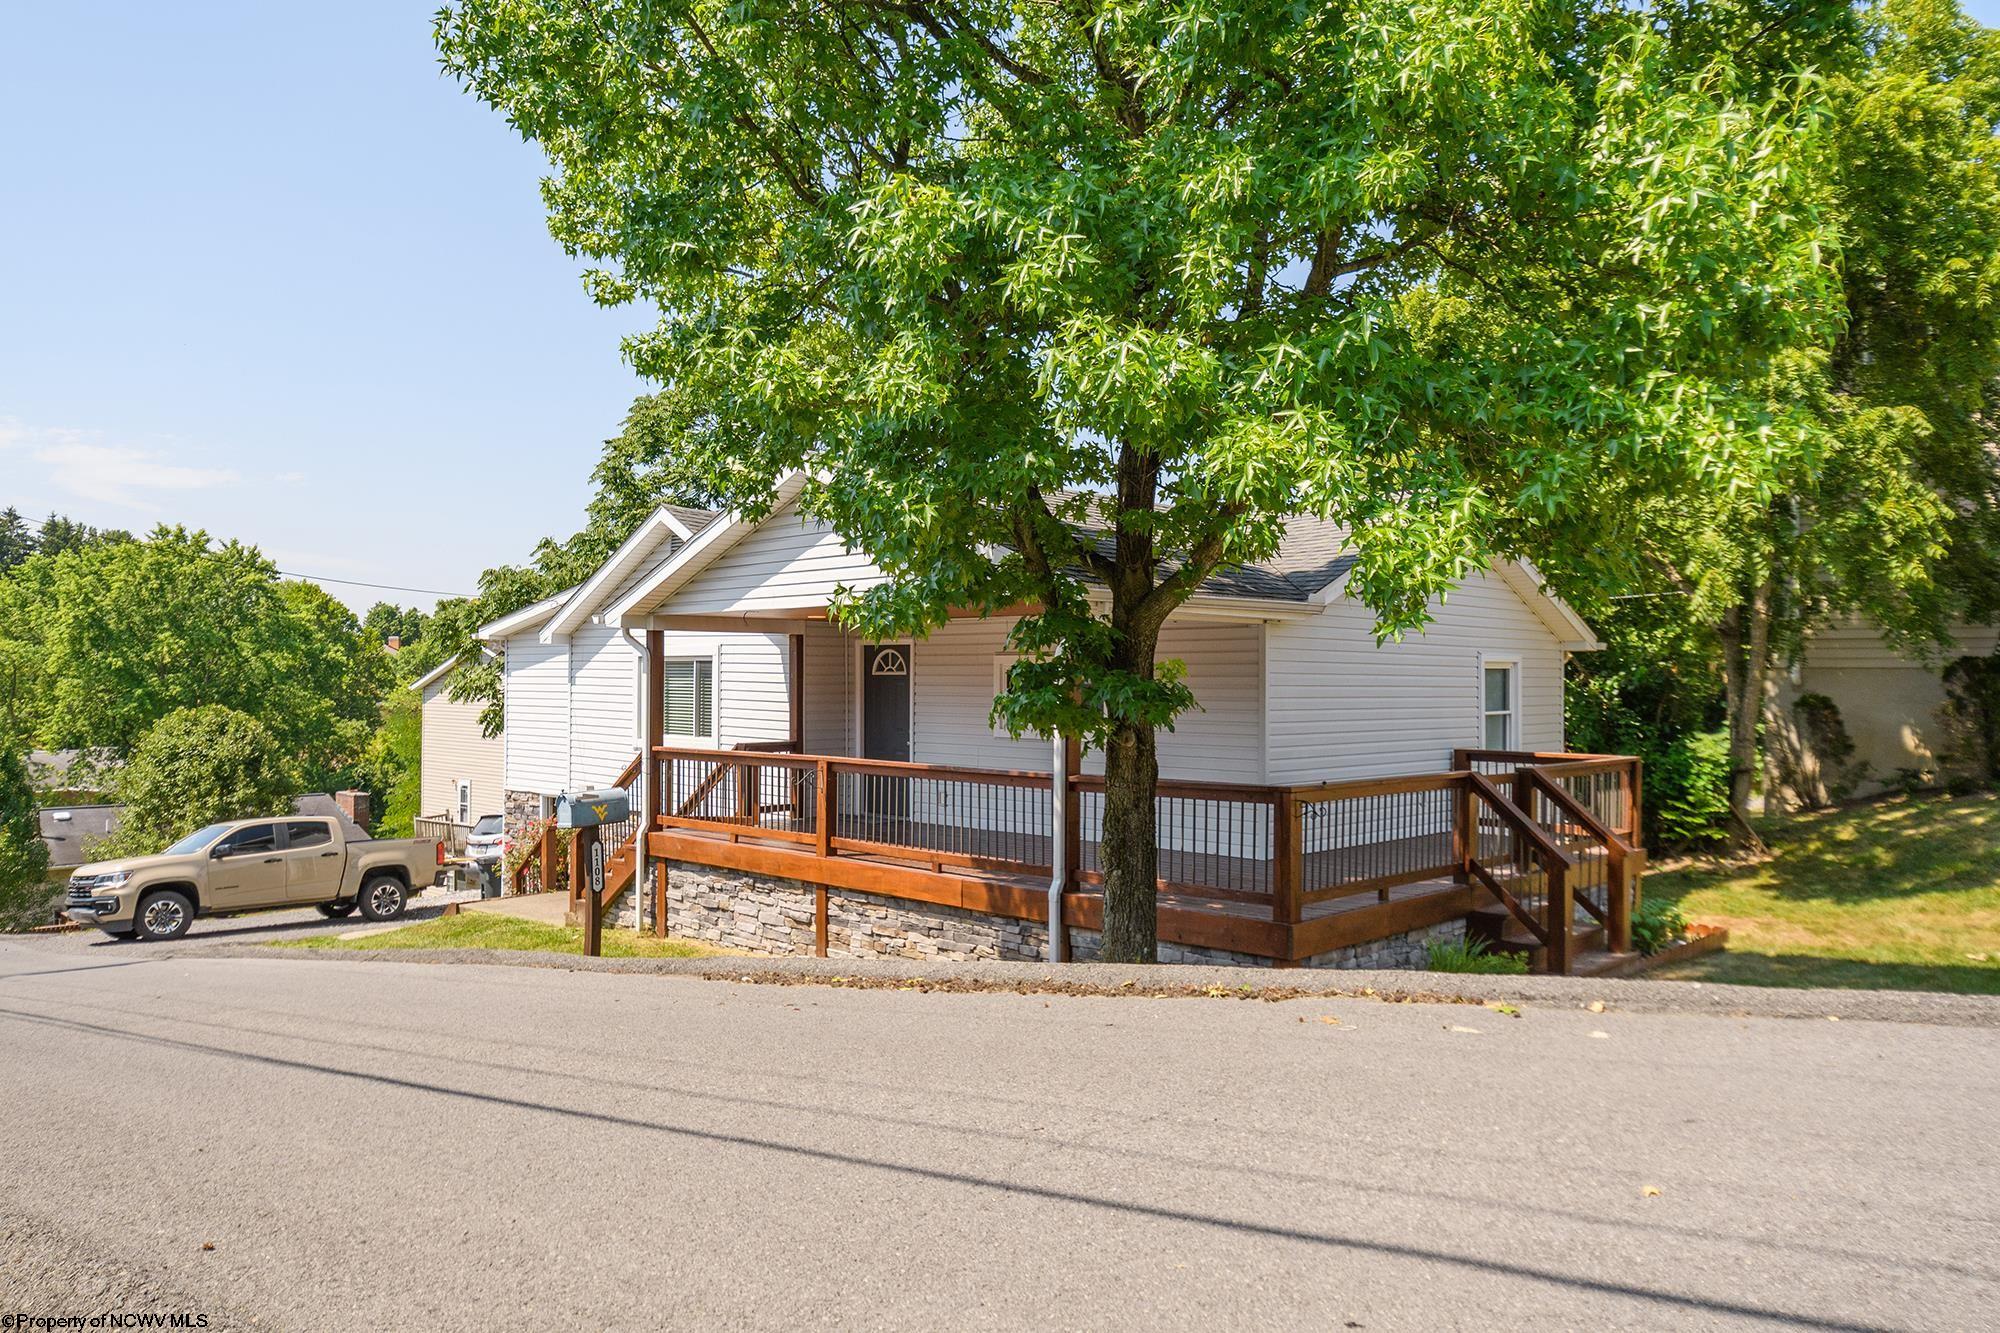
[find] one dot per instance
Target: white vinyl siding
(455, 750)
(955, 681)
(1342, 707)
(537, 712)
(787, 564)
(755, 688)
(604, 701)
(829, 689)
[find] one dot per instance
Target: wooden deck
(1281, 873)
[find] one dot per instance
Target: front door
(247, 870)
(885, 701)
(313, 862)
(885, 732)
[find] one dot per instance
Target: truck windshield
(195, 841)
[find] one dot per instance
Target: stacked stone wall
(765, 915)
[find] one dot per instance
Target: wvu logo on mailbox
(599, 810)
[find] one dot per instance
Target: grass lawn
(483, 930)
(1899, 894)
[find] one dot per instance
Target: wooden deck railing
(444, 829)
(1541, 832)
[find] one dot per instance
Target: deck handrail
(1552, 926)
(1620, 856)
(1289, 848)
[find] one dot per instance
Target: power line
(363, 583)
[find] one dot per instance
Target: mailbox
(588, 809)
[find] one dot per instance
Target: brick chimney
(395, 643)
(354, 804)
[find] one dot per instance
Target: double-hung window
(1502, 716)
(690, 697)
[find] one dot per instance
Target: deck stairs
(1496, 925)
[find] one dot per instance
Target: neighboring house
(571, 682)
(462, 773)
(1890, 703)
(76, 777)
(728, 619)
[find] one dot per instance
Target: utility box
(588, 809)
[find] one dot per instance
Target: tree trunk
(1130, 851)
(1746, 654)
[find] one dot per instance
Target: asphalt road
(372, 1144)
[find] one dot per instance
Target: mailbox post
(586, 812)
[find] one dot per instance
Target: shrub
(1970, 717)
(1470, 955)
(527, 850)
(1687, 790)
(197, 766)
(1657, 924)
(24, 857)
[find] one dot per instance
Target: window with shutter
(690, 696)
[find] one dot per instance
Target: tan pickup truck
(297, 861)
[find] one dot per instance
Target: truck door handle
(329, 853)
(272, 860)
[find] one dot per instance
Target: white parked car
(486, 844)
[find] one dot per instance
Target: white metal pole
(1059, 855)
(640, 882)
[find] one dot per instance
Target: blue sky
(264, 271)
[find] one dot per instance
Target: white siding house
(1891, 703)
(462, 772)
(1290, 683)
(571, 682)
(873, 768)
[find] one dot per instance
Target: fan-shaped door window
(885, 701)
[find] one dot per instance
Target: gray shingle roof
(1313, 555)
(694, 519)
(69, 830)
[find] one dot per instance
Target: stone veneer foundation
(520, 814)
(765, 915)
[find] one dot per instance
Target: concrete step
(1598, 962)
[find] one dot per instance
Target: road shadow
(1663, 1300)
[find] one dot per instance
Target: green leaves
(1469, 276)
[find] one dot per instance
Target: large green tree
(112, 637)
(195, 767)
(17, 543)
(1893, 513)
(1072, 304)
(24, 857)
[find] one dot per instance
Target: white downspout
(640, 882)
(1059, 854)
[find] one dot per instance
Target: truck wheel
(165, 915)
(336, 910)
(383, 899)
